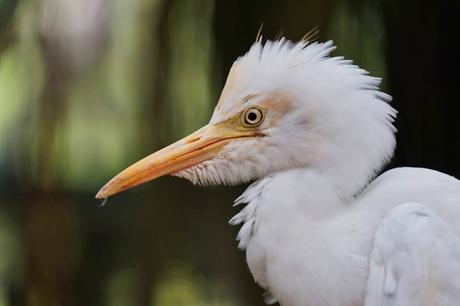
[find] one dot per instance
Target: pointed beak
(200, 146)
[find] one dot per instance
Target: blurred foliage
(89, 86)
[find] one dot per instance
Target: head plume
(331, 118)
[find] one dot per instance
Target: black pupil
(252, 116)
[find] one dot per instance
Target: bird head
(285, 105)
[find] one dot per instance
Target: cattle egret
(312, 131)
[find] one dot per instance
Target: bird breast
(299, 254)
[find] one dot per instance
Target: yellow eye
(253, 117)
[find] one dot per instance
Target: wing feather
(415, 260)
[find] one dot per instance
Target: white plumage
(318, 230)
(309, 254)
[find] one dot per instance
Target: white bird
(313, 131)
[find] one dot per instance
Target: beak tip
(101, 194)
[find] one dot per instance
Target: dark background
(89, 86)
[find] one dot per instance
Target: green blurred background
(89, 86)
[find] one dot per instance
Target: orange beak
(200, 146)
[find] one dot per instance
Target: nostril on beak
(193, 139)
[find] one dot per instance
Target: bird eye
(253, 116)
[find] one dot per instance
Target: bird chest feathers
(301, 252)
